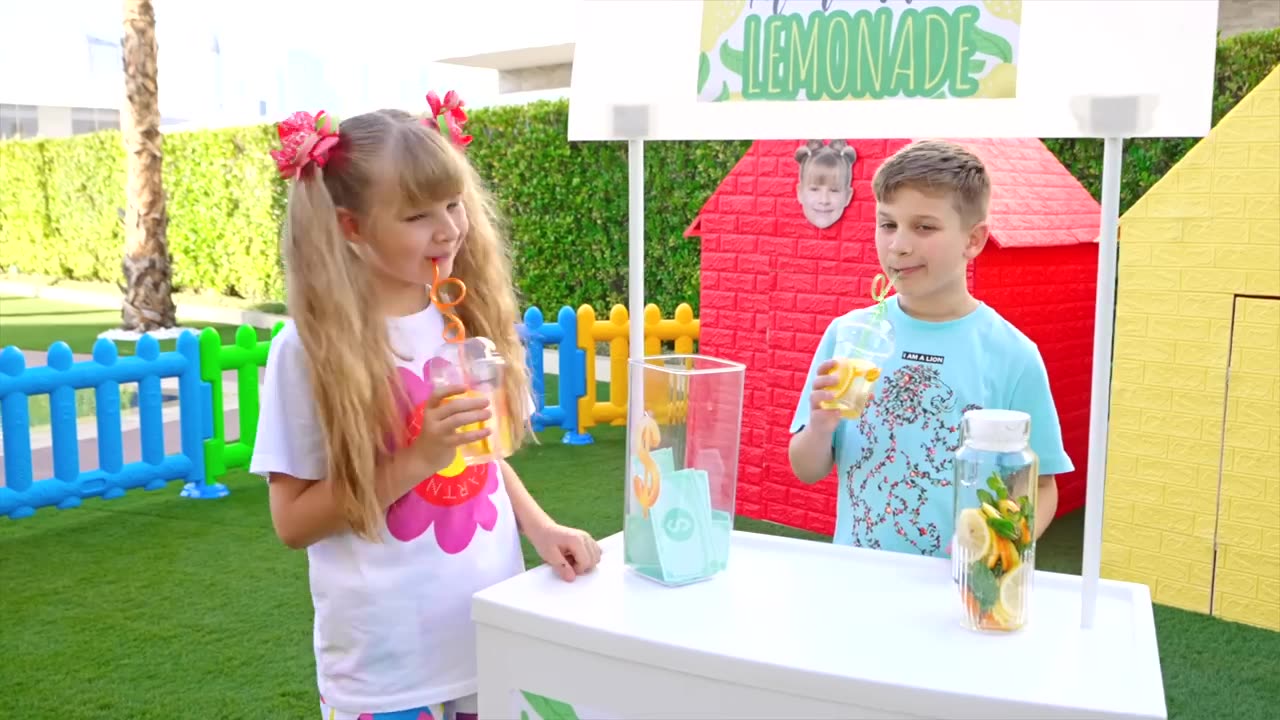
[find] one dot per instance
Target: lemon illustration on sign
(972, 534)
(1001, 82)
(1013, 589)
(1005, 9)
(717, 17)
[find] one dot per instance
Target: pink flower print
(456, 502)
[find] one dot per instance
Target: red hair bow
(304, 139)
(448, 117)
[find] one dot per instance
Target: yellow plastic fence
(682, 329)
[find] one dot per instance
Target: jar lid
(997, 430)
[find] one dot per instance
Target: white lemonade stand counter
(803, 629)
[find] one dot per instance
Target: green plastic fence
(245, 356)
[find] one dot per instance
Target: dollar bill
(721, 533)
(638, 546)
(664, 458)
(681, 520)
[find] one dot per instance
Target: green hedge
(61, 203)
(566, 203)
(1243, 62)
(24, 213)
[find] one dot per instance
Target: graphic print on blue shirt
(902, 466)
(894, 464)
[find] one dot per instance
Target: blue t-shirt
(894, 463)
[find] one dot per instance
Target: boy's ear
(977, 239)
(350, 225)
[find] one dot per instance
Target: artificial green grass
(151, 606)
(35, 323)
(164, 608)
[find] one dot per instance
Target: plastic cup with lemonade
(474, 365)
(863, 343)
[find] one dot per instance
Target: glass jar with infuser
(993, 554)
(863, 342)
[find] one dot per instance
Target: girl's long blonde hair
(332, 299)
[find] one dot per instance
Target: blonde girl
(358, 448)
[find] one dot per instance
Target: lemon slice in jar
(972, 534)
(1013, 588)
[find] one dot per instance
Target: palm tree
(148, 298)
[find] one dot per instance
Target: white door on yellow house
(1246, 577)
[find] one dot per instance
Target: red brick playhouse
(771, 282)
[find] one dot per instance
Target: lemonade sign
(858, 49)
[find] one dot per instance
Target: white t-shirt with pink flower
(393, 625)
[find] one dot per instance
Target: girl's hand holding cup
(447, 411)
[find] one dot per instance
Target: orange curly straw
(454, 331)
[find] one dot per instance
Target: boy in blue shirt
(952, 354)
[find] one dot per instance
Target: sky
(227, 58)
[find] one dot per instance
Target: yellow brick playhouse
(1193, 467)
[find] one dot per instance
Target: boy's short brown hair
(933, 167)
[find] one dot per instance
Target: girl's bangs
(428, 172)
(821, 176)
(826, 169)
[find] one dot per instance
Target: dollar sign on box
(678, 524)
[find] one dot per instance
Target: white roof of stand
(651, 52)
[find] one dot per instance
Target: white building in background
(529, 43)
(238, 62)
(61, 68)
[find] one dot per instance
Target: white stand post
(635, 280)
(1103, 325)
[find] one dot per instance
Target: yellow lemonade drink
(855, 379)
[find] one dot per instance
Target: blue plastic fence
(21, 494)
(563, 333)
(59, 379)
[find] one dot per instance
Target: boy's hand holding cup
(821, 419)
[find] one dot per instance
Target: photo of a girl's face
(825, 186)
(821, 195)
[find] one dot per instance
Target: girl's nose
(447, 231)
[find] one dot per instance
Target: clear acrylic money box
(683, 433)
(994, 549)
